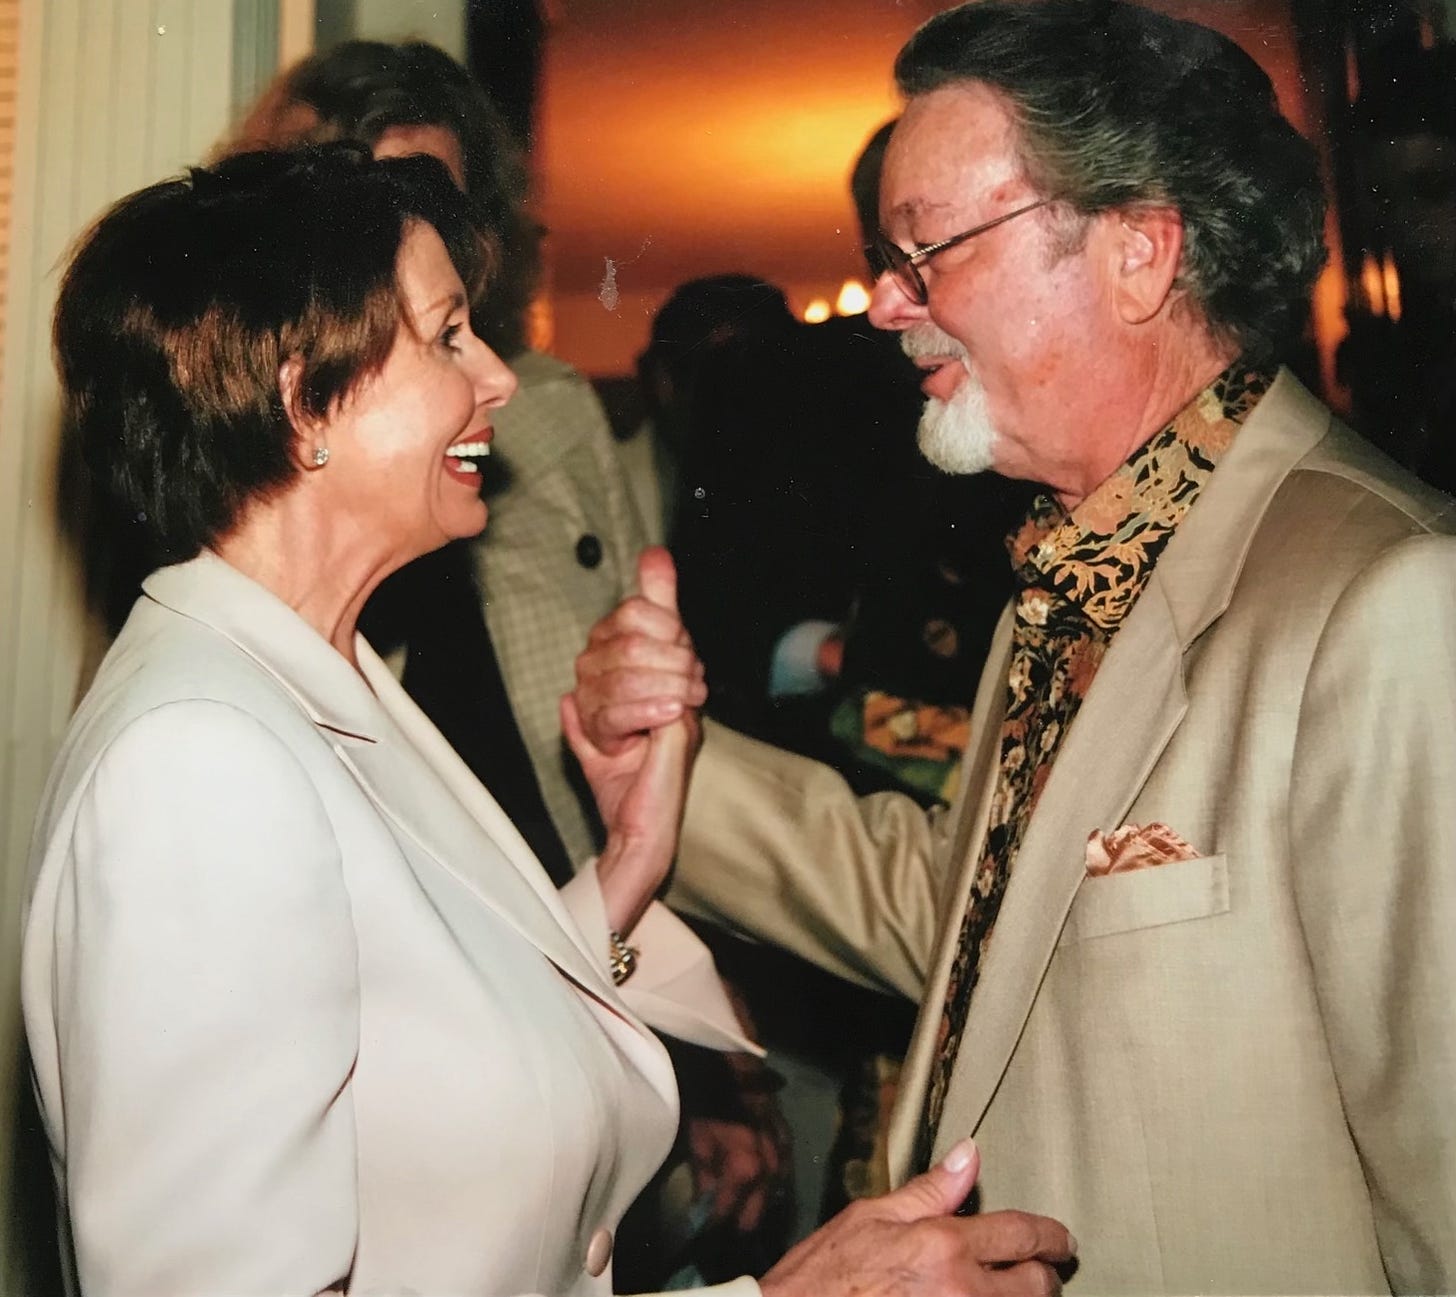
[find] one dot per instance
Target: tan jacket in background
(568, 500)
(1228, 1075)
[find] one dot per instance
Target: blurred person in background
(688, 330)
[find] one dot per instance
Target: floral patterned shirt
(1079, 575)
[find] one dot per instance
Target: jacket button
(589, 551)
(598, 1252)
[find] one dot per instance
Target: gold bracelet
(623, 960)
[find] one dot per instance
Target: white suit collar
(210, 590)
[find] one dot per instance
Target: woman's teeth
(467, 452)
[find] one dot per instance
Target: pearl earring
(320, 456)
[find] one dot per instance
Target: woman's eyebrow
(450, 302)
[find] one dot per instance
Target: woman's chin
(471, 522)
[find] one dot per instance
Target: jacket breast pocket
(1148, 898)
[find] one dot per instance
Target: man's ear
(310, 444)
(1147, 249)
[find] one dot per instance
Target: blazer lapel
(973, 807)
(1123, 727)
(1120, 732)
(418, 780)
(401, 761)
(426, 789)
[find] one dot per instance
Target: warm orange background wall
(681, 138)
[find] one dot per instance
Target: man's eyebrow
(913, 207)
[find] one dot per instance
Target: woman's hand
(640, 782)
(909, 1243)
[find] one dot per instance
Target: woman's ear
(1148, 249)
(310, 444)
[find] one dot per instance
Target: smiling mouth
(930, 366)
(462, 456)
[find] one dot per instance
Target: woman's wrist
(630, 874)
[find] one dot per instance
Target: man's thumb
(941, 1189)
(657, 577)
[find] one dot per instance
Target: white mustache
(928, 339)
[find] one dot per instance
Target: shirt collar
(1101, 553)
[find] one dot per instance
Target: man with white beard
(955, 434)
(1184, 946)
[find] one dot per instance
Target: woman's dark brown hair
(182, 303)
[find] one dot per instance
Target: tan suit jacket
(1234, 1074)
(303, 1010)
(567, 485)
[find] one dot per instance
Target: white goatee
(957, 435)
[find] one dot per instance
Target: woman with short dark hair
(556, 456)
(304, 1011)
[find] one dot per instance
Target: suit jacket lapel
(429, 792)
(416, 779)
(973, 807)
(1127, 720)
(1125, 723)
(421, 783)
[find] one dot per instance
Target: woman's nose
(495, 381)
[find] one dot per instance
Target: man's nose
(891, 307)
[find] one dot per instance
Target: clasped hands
(639, 679)
(638, 772)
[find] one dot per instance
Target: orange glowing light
(1372, 284)
(853, 298)
(817, 311)
(1390, 285)
(540, 323)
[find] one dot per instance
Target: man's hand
(910, 1244)
(638, 671)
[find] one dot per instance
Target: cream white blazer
(305, 1014)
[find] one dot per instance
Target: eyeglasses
(885, 255)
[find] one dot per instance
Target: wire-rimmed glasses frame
(886, 255)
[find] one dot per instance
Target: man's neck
(1154, 392)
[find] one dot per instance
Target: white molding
(112, 95)
(297, 21)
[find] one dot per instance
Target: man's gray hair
(1116, 106)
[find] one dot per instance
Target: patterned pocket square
(1134, 846)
